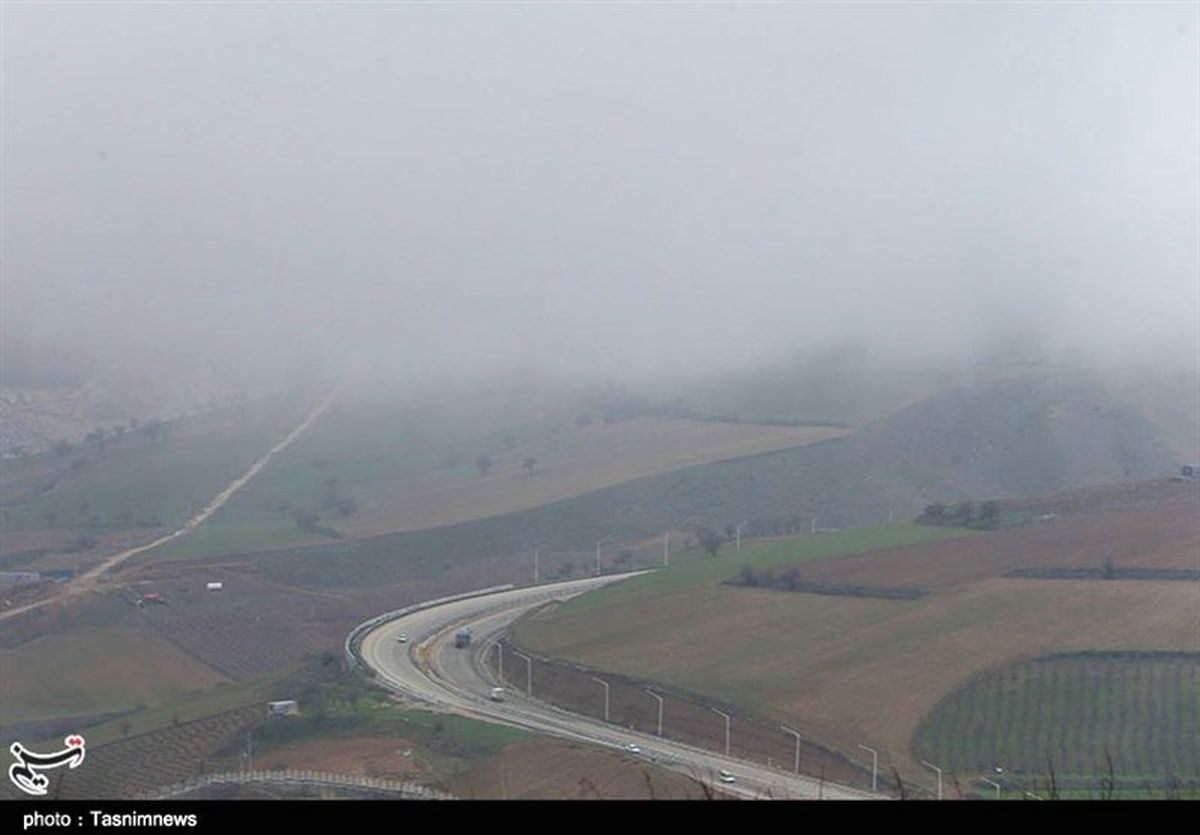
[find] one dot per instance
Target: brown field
(142, 763)
(556, 770)
(578, 462)
(1165, 535)
(536, 769)
(389, 757)
(851, 671)
(93, 670)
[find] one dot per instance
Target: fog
(611, 190)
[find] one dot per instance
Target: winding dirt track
(89, 580)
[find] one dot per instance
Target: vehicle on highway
(402, 638)
(726, 777)
(633, 748)
(497, 694)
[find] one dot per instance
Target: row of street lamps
(666, 551)
(658, 698)
(728, 719)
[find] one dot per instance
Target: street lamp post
(667, 548)
(536, 571)
(994, 784)
(939, 774)
(604, 684)
(874, 766)
(529, 673)
(797, 735)
(660, 708)
(726, 715)
(738, 533)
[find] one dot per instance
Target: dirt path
(89, 580)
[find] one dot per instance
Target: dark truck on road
(462, 638)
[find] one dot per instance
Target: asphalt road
(429, 669)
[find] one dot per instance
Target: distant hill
(989, 440)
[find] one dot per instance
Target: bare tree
(483, 463)
(709, 540)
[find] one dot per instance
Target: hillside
(991, 440)
(850, 669)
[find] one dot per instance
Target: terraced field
(139, 764)
(1074, 712)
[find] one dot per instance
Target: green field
(410, 468)
(698, 571)
(137, 482)
(88, 670)
(1072, 712)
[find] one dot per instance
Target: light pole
(660, 708)
(604, 684)
(874, 766)
(529, 674)
(738, 533)
(667, 548)
(939, 774)
(813, 527)
(992, 783)
(797, 735)
(726, 715)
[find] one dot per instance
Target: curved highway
(428, 668)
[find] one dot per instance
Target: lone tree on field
(483, 463)
(989, 511)
(709, 540)
(935, 512)
(529, 464)
(964, 514)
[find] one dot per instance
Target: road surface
(429, 669)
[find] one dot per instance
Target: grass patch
(342, 705)
(774, 554)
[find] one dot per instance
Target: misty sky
(608, 187)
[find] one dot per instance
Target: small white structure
(214, 586)
(288, 707)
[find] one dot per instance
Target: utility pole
(604, 684)
(726, 715)
(738, 532)
(536, 572)
(660, 708)
(667, 548)
(796, 734)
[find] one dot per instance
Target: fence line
(301, 777)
